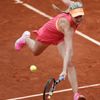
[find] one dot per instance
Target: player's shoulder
(63, 21)
(63, 18)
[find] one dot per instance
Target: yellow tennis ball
(33, 68)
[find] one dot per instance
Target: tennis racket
(50, 87)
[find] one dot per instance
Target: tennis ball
(33, 68)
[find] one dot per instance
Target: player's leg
(71, 69)
(73, 77)
(71, 74)
(36, 46)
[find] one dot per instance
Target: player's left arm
(68, 39)
(64, 26)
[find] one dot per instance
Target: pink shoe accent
(77, 96)
(21, 41)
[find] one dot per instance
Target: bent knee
(36, 53)
(70, 64)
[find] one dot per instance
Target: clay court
(17, 82)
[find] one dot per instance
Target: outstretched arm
(64, 26)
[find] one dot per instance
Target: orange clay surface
(16, 80)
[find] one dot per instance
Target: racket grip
(60, 79)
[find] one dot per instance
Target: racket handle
(60, 79)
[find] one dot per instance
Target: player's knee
(70, 64)
(35, 53)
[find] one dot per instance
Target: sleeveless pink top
(49, 34)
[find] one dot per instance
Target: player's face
(78, 19)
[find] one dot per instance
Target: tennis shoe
(20, 42)
(77, 96)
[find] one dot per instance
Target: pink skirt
(49, 37)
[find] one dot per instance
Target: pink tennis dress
(49, 34)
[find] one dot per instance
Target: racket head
(48, 86)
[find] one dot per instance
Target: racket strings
(50, 87)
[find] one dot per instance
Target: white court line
(49, 17)
(88, 38)
(59, 91)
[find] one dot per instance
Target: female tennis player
(58, 31)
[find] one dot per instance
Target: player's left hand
(63, 73)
